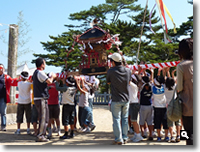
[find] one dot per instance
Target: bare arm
(79, 87)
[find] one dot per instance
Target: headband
(24, 77)
(134, 77)
(70, 82)
(156, 82)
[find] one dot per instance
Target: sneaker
(125, 141)
(138, 138)
(173, 139)
(64, 137)
(117, 143)
(17, 132)
(42, 139)
(80, 129)
(3, 128)
(144, 136)
(28, 132)
(92, 127)
(131, 131)
(154, 134)
(167, 139)
(86, 130)
(159, 139)
(133, 138)
(71, 135)
(146, 132)
(178, 139)
(54, 130)
(59, 133)
(162, 134)
(150, 138)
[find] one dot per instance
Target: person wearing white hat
(119, 78)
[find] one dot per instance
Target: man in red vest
(5, 83)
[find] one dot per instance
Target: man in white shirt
(40, 81)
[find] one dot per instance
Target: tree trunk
(12, 56)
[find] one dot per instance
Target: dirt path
(102, 135)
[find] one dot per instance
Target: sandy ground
(102, 135)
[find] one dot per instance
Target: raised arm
(78, 82)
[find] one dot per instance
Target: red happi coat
(9, 82)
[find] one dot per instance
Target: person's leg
(80, 115)
(90, 118)
(71, 121)
(28, 117)
(65, 121)
(42, 109)
(116, 114)
(34, 117)
(157, 121)
(188, 125)
(20, 114)
(124, 119)
(3, 108)
(142, 119)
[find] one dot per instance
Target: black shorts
(68, 114)
(34, 115)
(134, 109)
(160, 117)
(21, 108)
(54, 111)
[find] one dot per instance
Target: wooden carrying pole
(141, 33)
(12, 56)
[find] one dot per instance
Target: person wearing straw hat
(24, 102)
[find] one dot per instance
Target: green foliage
(111, 13)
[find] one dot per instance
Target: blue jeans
(3, 108)
(84, 114)
(120, 112)
(90, 118)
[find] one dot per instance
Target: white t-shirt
(83, 100)
(169, 94)
(24, 92)
(42, 77)
(133, 93)
(159, 99)
(68, 96)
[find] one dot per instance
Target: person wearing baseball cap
(119, 78)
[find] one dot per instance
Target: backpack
(174, 109)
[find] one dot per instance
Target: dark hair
(185, 50)
(71, 79)
(116, 63)
(138, 79)
(161, 80)
(25, 74)
(146, 80)
(169, 83)
(39, 61)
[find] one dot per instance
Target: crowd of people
(139, 100)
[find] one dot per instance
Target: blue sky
(48, 17)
